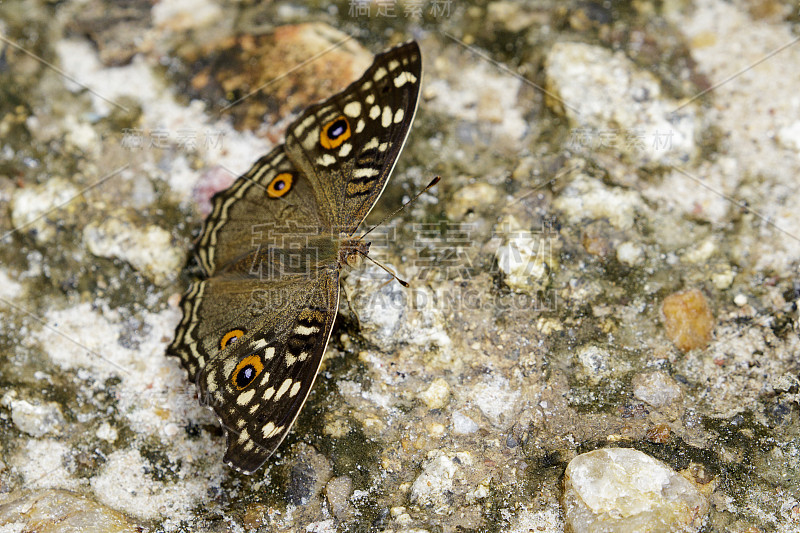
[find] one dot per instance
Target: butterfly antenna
(433, 182)
(387, 269)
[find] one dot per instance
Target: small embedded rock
(462, 424)
(308, 475)
(436, 396)
(525, 258)
(432, 486)
(656, 388)
(471, 198)
(688, 320)
(596, 362)
(616, 107)
(41, 209)
(622, 490)
(630, 254)
(51, 511)
(586, 198)
(496, 399)
(36, 419)
(148, 249)
(338, 491)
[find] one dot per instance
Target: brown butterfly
(254, 330)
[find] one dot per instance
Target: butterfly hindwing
(258, 385)
(216, 308)
(348, 144)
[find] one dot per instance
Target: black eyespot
(245, 376)
(337, 129)
(230, 337)
(280, 185)
(247, 371)
(334, 133)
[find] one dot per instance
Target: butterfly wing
(271, 199)
(260, 238)
(258, 385)
(222, 309)
(348, 144)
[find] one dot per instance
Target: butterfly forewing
(348, 144)
(271, 204)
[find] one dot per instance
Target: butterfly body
(254, 330)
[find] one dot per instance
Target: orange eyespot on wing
(247, 371)
(334, 133)
(280, 185)
(230, 337)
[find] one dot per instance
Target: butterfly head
(352, 250)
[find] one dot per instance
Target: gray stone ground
(594, 159)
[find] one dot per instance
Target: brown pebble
(688, 320)
(595, 245)
(658, 434)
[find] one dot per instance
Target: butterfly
(255, 328)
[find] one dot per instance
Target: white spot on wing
(295, 389)
(310, 141)
(375, 112)
(284, 387)
(244, 436)
(268, 393)
(258, 344)
(365, 172)
(360, 125)
(269, 353)
(379, 74)
(305, 330)
(386, 118)
(228, 366)
(306, 123)
(267, 430)
(245, 397)
(403, 78)
(398, 116)
(370, 99)
(326, 160)
(344, 151)
(352, 109)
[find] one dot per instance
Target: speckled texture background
(597, 161)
